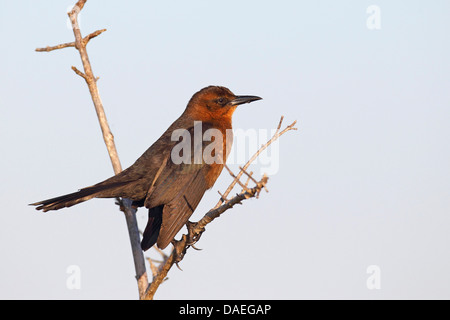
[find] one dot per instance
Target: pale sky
(365, 181)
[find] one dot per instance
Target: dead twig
(248, 180)
(277, 134)
(71, 44)
(237, 180)
(78, 72)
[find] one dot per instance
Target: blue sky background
(365, 181)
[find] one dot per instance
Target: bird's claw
(119, 202)
(194, 247)
(179, 250)
(193, 236)
(189, 240)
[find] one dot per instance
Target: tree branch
(71, 44)
(88, 75)
(59, 46)
(277, 134)
(78, 72)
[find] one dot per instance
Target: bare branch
(221, 196)
(71, 44)
(152, 267)
(80, 45)
(249, 175)
(78, 72)
(77, 8)
(235, 179)
(88, 75)
(248, 180)
(216, 212)
(59, 46)
(279, 124)
(160, 277)
(92, 35)
(130, 213)
(253, 158)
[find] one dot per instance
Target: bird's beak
(243, 99)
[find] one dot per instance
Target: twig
(59, 46)
(235, 179)
(248, 180)
(249, 175)
(216, 212)
(71, 44)
(78, 72)
(80, 45)
(152, 266)
(221, 196)
(277, 134)
(92, 35)
(162, 253)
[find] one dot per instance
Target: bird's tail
(151, 232)
(68, 200)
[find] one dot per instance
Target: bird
(173, 174)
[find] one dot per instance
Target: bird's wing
(177, 212)
(173, 176)
(142, 173)
(179, 188)
(172, 201)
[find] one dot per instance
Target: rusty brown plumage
(169, 189)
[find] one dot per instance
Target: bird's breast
(215, 153)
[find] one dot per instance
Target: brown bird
(171, 177)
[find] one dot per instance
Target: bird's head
(216, 102)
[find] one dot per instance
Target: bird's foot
(179, 250)
(189, 240)
(119, 202)
(193, 235)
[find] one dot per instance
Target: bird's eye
(221, 101)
